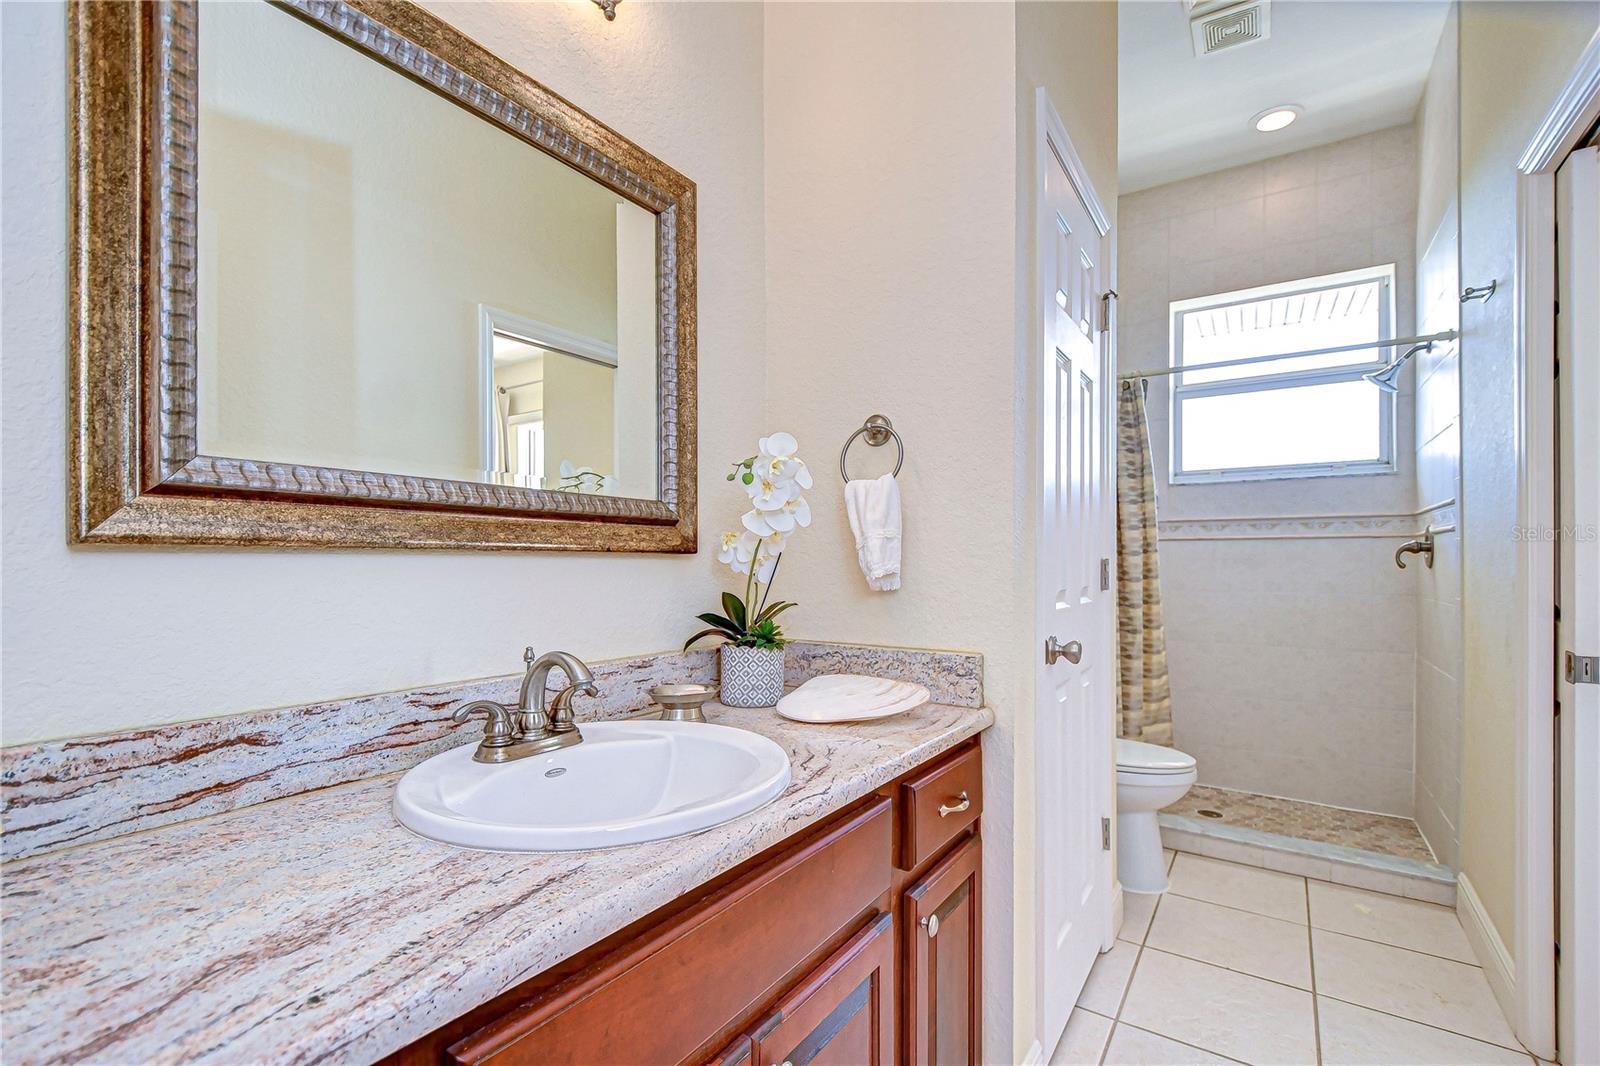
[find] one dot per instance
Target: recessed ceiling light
(1275, 118)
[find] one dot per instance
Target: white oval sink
(628, 782)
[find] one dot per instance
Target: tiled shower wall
(1292, 637)
(1437, 791)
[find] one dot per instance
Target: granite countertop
(316, 928)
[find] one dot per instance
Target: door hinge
(1583, 669)
(1105, 834)
(1105, 575)
(1105, 308)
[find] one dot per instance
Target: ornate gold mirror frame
(137, 475)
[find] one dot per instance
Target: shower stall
(1294, 323)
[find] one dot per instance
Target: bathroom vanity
(856, 941)
(316, 928)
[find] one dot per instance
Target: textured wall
(105, 639)
(1501, 105)
(1291, 653)
(889, 289)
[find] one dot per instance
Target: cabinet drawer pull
(961, 804)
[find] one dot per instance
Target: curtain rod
(1447, 335)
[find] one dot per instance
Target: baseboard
(1116, 919)
(1498, 966)
(1035, 1055)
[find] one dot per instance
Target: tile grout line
(1338, 932)
(1426, 1025)
(1296, 988)
(1117, 1021)
(1180, 1043)
(1311, 959)
(1400, 947)
(1132, 972)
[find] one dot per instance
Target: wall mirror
(344, 278)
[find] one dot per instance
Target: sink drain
(1209, 814)
(555, 771)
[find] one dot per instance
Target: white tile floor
(1243, 964)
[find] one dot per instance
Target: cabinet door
(944, 987)
(842, 1014)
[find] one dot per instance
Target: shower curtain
(1144, 701)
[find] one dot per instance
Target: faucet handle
(529, 655)
(561, 706)
(497, 728)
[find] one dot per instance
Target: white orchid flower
(768, 493)
(738, 547)
(777, 460)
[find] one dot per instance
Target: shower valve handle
(1054, 650)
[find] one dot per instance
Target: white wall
(338, 290)
(1514, 59)
(908, 217)
(1291, 658)
(890, 237)
(1436, 795)
(102, 639)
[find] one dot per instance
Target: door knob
(1072, 651)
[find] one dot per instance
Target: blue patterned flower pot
(751, 677)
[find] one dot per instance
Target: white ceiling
(1354, 65)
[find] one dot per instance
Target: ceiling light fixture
(609, 7)
(1275, 118)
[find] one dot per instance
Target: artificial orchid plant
(774, 478)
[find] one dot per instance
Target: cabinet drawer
(938, 805)
(665, 998)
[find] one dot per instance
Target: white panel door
(1073, 728)
(1578, 602)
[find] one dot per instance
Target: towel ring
(878, 431)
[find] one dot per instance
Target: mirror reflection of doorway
(548, 407)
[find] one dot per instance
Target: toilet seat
(1139, 758)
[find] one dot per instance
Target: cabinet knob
(931, 924)
(961, 804)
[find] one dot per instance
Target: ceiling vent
(1217, 29)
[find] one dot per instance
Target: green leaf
(734, 607)
(702, 634)
(774, 610)
(721, 623)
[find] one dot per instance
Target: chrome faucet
(529, 728)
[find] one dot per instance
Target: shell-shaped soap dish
(850, 698)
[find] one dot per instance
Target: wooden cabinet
(944, 986)
(855, 942)
(842, 1014)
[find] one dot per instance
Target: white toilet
(1149, 777)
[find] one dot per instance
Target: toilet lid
(1151, 758)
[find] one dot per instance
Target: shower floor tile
(1306, 821)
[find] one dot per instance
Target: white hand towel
(874, 510)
